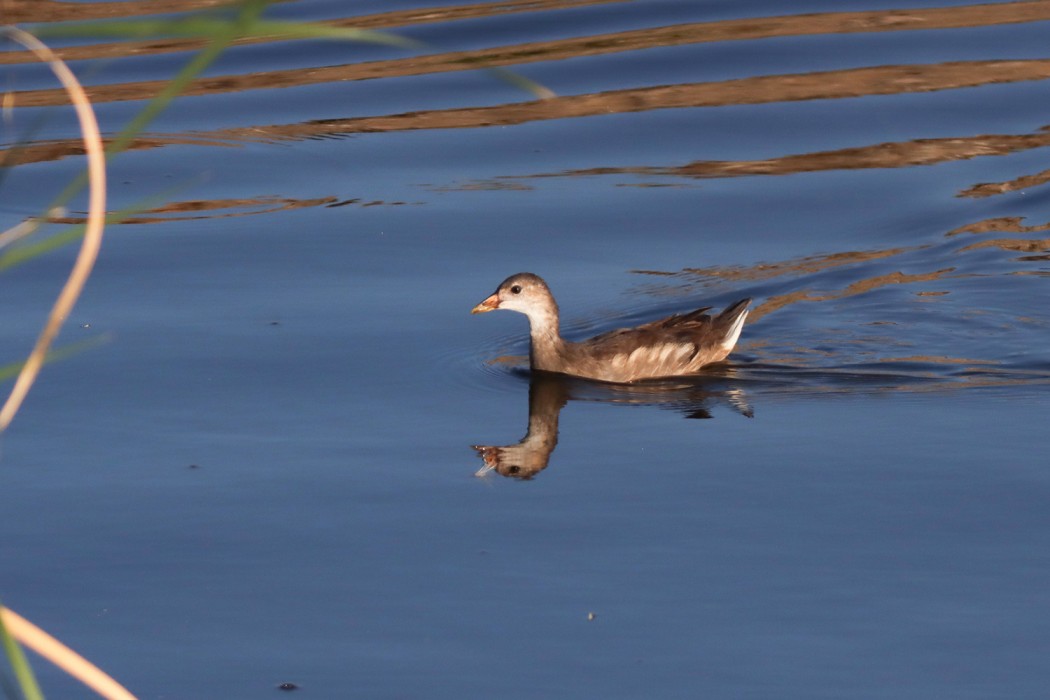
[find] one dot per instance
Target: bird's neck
(546, 346)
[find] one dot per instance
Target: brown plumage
(672, 346)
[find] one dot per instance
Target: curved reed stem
(21, 629)
(93, 232)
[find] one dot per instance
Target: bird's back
(676, 345)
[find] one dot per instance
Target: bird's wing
(680, 328)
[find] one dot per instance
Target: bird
(670, 347)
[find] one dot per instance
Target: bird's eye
(516, 289)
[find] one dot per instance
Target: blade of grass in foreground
(85, 260)
(207, 27)
(13, 368)
(19, 663)
(62, 656)
(27, 251)
(213, 27)
(249, 14)
(221, 32)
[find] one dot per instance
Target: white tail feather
(734, 332)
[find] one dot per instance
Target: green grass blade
(216, 28)
(12, 369)
(220, 31)
(24, 252)
(249, 13)
(20, 665)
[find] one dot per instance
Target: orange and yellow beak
(490, 304)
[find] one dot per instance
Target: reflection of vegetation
(219, 30)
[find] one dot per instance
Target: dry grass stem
(28, 227)
(62, 656)
(21, 629)
(93, 232)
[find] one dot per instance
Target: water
(267, 473)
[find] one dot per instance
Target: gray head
(524, 292)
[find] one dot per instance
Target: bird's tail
(732, 320)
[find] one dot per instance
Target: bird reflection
(548, 394)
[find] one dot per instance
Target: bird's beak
(490, 304)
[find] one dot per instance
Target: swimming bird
(673, 346)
